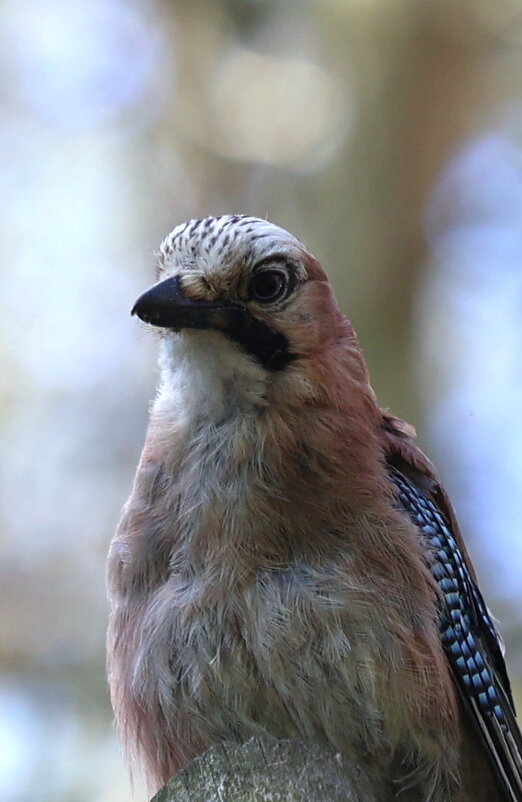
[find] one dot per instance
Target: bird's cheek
(303, 330)
(303, 333)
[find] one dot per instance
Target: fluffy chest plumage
(251, 629)
(241, 575)
(287, 655)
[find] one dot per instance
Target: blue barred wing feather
(470, 640)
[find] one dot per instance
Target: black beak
(166, 305)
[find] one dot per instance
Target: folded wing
(472, 645)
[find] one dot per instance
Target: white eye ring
(268, 286)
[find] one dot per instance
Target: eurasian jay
(288, 563)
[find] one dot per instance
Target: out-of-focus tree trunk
(420, 89)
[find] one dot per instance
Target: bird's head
(246, 289)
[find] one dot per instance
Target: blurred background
(385, 135)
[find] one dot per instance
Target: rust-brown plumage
(267, 576)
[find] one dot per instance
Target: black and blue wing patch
(469, 637)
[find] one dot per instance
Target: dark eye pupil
(268, 285)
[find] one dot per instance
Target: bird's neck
(251, 476)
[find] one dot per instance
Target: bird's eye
(268, 286)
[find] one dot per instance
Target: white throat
(205, 374)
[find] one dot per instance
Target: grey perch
(262, 770)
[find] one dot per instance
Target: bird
(288, 563)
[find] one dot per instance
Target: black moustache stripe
(270, 348)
